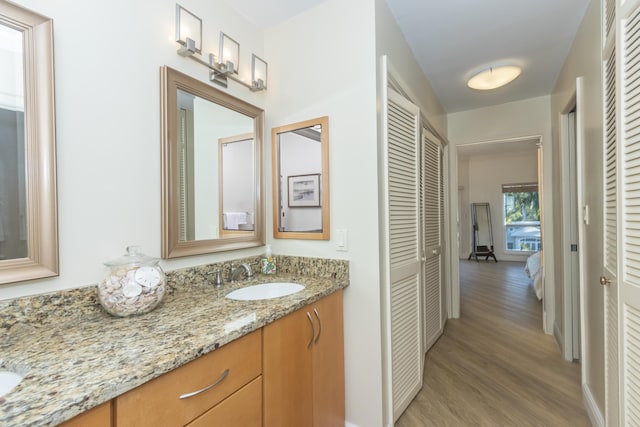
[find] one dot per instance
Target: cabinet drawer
(243, 408)
(158, 401)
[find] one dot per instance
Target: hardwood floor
(495, 366)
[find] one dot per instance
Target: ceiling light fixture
(493, 78)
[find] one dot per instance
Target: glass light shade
(229, 51)
(189, 26)
(258, 71)
(494, 77)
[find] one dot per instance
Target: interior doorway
(497, 173)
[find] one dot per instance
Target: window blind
(520, 188)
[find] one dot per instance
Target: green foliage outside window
(521, 207)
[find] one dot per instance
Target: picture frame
(304, 190)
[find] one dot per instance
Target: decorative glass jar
(135, 284)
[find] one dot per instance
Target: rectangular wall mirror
(28, 199)
(211, 169)
(301, 180)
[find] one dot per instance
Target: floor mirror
(482, 238)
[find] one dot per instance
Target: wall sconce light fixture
(188, 32)
(189, 35)
(229, 53)
(258, 73)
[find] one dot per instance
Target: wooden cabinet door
(100, 416)
(286, 371)
(328, 362)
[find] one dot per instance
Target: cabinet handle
(315, 310)
(207, 388)
(313, 330)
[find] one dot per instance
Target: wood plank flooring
(495, 366)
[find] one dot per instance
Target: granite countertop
(79, 362)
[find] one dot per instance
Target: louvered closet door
(610, 243)
(432, 200)
(628, 195)
(402, 177)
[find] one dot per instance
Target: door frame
(453, 290)
(575, 103)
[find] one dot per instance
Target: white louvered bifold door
(432, 215)
(610, 248)
(402, 177)
(628, 202)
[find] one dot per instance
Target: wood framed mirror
(205, 207)
(300, 155)
(28, 194)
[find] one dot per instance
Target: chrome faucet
(235, 272)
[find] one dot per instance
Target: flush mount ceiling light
(494, 77)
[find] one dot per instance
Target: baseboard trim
(348, 424)
(590, 405)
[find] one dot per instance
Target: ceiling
(453, 38)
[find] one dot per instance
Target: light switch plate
(585, 214)
(342, 240)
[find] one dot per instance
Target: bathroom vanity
(89, 368)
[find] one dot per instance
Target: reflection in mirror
(13, 217)
(28, 217)
(211, 157)
(236, 184)
(301, 180)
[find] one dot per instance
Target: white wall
(527, 118)
(584, 60)
(107, 81)
(322, 62)
(484, 177)
(391, 42)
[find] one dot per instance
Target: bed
(534, 270)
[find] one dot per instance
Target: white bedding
(535, 272)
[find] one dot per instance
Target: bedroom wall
(485, 176)
(584, 60)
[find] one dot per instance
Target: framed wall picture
(304, 190)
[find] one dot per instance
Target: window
(521, 217)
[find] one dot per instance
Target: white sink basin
(265, 291)
(8, 380)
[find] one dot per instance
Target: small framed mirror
(300, 154)
(28, 196)
(211, 169)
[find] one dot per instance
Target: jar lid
(134, 257)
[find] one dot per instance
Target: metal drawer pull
(207, 388)
(313, 330)
(315, 310)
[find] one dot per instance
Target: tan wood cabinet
(303, 367)
(100, 416)
(186, 393)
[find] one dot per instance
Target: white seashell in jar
(134, 285)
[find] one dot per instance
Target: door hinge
(574, 247)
